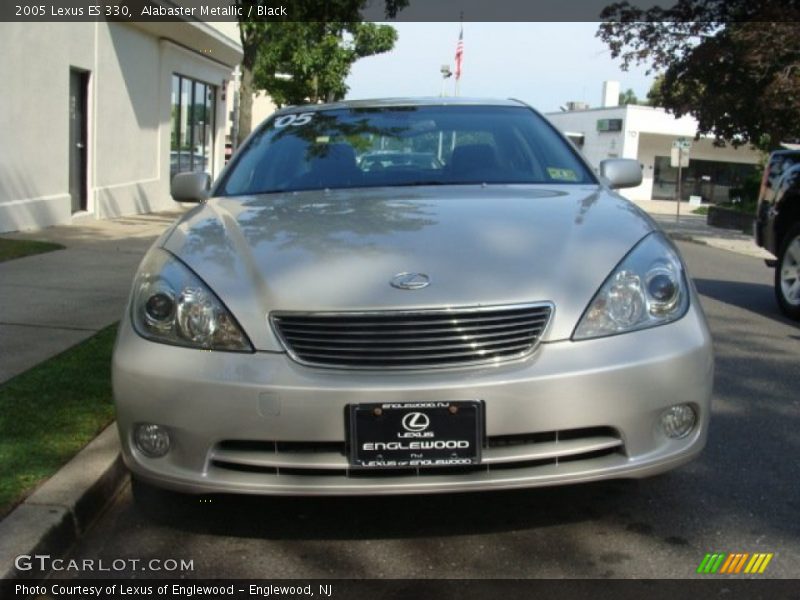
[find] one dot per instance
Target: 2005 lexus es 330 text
(469, 308)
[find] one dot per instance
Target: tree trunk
(245, 102)
(248, 37)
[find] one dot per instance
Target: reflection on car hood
(337, 250)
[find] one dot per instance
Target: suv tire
(787, 274)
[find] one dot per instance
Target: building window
(710, 179)
(192, 127)
(576, 138)
(609, 125)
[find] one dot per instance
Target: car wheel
(787, 274)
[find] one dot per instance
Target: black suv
(777, 227)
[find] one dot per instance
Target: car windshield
(406, 145)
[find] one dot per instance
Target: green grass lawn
(11, 249)
(50, 412)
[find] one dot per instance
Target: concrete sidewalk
(50, 302)
(693, 227)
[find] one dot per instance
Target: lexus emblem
(410, 281)
(416, 422)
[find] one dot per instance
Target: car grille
(412, 339)
(500, 453)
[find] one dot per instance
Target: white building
(262, 107)
(96, 117)
(647, 134)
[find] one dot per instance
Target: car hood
(337, 250)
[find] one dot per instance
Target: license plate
(419, 434)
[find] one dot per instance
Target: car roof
(392, 102)
(786, 152)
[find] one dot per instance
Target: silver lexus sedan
(493, 317)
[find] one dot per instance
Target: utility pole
(679, 157)
(446, 74)
(680, 171)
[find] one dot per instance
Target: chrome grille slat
(499, 452)
(283, 460)
(421, 339)
(546, 450)
(404, 347)
(403, 320)
(395, 357)
(351, 337)
(405, 330)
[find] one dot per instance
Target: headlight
(171, 305)
(647, 288)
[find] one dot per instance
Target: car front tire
(787, 274)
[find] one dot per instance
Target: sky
(543, 64)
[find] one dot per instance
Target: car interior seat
(334, 167)
(472, 158)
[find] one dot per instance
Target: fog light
(678, 421)
(152, 440)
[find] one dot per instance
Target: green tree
(732, 64)
(317, 57)
(628, 97)
(654, 93)
(258, 33)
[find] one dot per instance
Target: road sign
(682, 143)
(679, 157)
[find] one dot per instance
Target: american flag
(459, 53)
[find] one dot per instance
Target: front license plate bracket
(416, 434)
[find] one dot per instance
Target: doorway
(78, 136)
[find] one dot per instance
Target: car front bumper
(262, 424)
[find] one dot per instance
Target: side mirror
(190, 187)
(621, 172)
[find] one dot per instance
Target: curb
(685, 237)
(51, 519)
(734, 246)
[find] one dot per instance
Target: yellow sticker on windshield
(562, 174)
(323, 139)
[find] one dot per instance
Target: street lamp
(446, 73)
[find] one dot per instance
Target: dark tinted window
(403, 146)
(778, 165)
